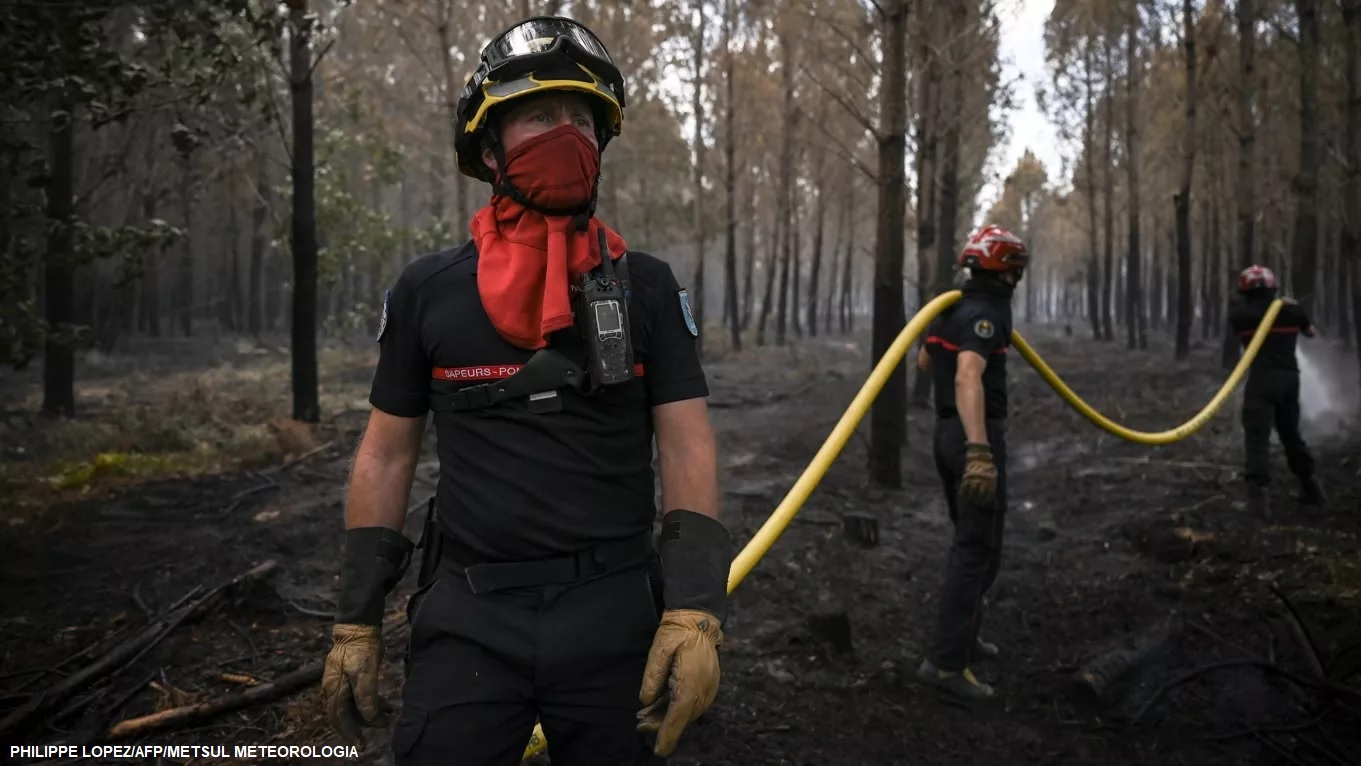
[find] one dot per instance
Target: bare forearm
(379, 491)
(689, 473)
(969, 402)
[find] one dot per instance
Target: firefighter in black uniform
(966, 349)
(550, 369)
(1272, 394)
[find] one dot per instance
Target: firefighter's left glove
(979, 484)
(375, 560)
(680, 680)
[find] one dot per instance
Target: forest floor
(182, 472)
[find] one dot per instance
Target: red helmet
(1256, 277)
(993, 248)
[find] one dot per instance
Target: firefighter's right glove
(375, 560)
(979, 485)
(680, 680)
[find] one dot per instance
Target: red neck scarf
(526, 259)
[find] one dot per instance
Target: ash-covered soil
(1109, 544)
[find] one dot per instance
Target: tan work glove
(681, 677)
(349, 682)
(979, 485)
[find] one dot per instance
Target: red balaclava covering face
(524, 257)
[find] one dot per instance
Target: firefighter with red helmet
(553, 360)
(966, 349)
(1271, 397)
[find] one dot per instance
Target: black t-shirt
(516, 485)
(1278, 350)
(980, 323)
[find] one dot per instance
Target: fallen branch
(122, 655)
(1245, 663)
(1303, 636)
(309, 454)
(166, 719)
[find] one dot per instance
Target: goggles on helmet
(531, 44)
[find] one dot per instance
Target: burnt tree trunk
(697, 104)
(1304, 260)
(749, 268)
(887, 418)
(1134, 280)
(59, 283)
(772, 266)
(845, 312)
(1182, 201)
(1089, 142)
(1245, 202)
(928, 98)
(306, 403)
(1351, 248)
(730, 312)
(786, 185)
(1108, 203)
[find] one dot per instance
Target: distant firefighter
(1272, 394)
(966, 350)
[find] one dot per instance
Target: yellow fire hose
(775, 525)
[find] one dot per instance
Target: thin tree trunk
(1183, 198)
(1246, 181)
(697, 104)
(1133, 256)
(184, 293)
(845, 312)
(1108, 197)
(731, 313)
(786, 186)
(1305, 260)
(1089, 142)
(59, 357)
(927, 118)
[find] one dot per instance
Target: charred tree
(1351, 248)
(1089, 142)
(889, 412)
(1108, 198)
(731, 313)
(927, 106)
(1245, 198)
(1182, 201)
(697, 104)
(59, 283)
(1304, 262)
(1134, 279)
(306, 403)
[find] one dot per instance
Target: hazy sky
(1023, 55)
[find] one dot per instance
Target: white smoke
(1328, 405)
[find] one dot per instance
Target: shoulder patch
(686, 313)
(983, 329)
(383, 318)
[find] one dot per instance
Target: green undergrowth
(145, 426)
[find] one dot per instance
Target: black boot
(1258, 501)
(1311, 492)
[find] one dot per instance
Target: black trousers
(481, 667)
(1272, 399)
(975, 554)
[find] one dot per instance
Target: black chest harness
(596, 352)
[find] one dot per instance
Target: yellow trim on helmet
(593, 88)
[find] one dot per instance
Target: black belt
(607, 557)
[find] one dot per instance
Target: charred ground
(1109, 543)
